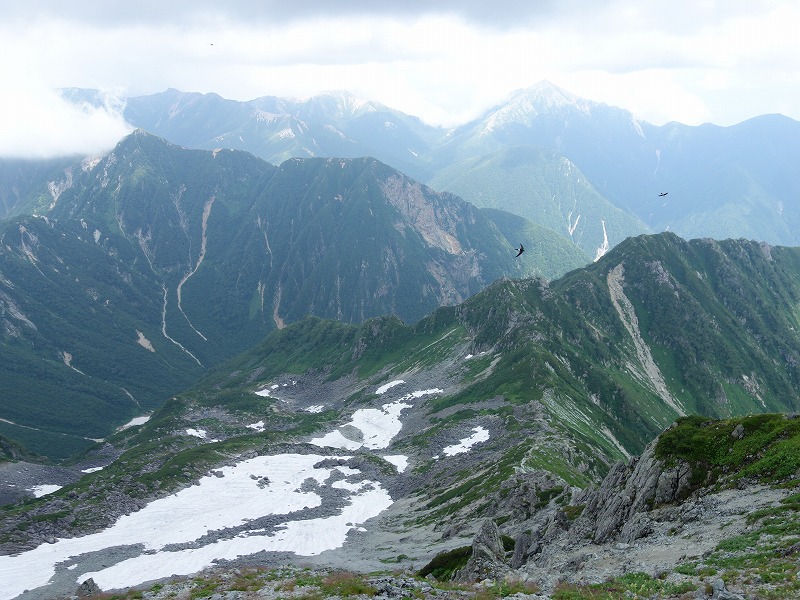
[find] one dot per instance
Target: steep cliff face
(354, 239)
(612, 512)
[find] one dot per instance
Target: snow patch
(374, 427)
(479, 435)
(377, 428)
(216, 503)
(144, 342)
(387, 386)
(601, 251)
(134, 422)
(43, 490)
(398, 460)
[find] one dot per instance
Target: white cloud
(39, 124)
(685, 60)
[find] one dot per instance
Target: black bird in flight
(519, 250)
(663, 194)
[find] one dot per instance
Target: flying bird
(663, 194)
(519, 250)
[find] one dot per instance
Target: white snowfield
(43, 490)
(479, 435)
(258, 487)
(217, 503)
(377, 426)
(387, 386)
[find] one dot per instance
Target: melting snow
(215, 504)
(257, 426)
(398, 460)
(378, 427)
(92, 469)
(387, 386)
(43, 490)
(480, 435)
(316, 408)
(604, 248)
(232, 500)
(144, 342)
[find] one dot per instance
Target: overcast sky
(446, 61)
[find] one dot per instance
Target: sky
(446, 61)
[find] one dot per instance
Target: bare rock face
(488, 556)
(629, 490)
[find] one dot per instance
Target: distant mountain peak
(550, 95)
(524, 105)
(347, 104)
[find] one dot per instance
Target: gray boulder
(488, 556)
(88, 588)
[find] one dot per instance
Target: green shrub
(445, 564)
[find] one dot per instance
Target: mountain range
(503, 411)
(722, 182)
(256, 334)
(137, 272)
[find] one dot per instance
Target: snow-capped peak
(525, 104)
(346, 103)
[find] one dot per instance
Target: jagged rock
(630, 489)
(576, 563)
(738, 432)
(793, 549)
(530, 492)
(451, 531)
(557, 524)
(690, 512)
(522, 544)
(673, 484)
(88, 588)
(638, 527)
(488, 556)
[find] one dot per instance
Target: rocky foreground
(644, 533)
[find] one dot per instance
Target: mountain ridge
(505, 408)
(713, 177)
(181, 258)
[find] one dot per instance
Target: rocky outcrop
(488, 556)
(613, 511)
(87, 589)
(645, 517)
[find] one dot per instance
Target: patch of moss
(766, 447)
(444, 564)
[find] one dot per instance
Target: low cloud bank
(44, 124)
